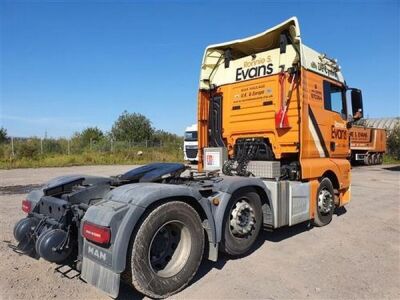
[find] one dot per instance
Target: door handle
(333, 146)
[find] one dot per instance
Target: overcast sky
(69, 65)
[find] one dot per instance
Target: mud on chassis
(151, 225)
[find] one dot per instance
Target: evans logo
(254, 72)
(97, 253)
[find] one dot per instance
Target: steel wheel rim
(169, 249)
(242, 219)
(325, 201)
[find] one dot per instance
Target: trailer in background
(367, 145)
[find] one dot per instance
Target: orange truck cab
(273, 108)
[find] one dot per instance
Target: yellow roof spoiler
(263, 41)
(268, 40)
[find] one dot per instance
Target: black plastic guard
(153, 172)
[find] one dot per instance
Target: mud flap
(100, 277)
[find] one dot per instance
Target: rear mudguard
(123, 207)
(121, 210)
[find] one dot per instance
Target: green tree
(3, 135)
(81, 140)
(93, 134)
(166, 137)
(28, 148)
(393, 142)
(132, 127)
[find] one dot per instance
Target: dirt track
(356, 256)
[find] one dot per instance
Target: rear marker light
(26, 206)
(96, 233)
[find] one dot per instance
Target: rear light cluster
(26, 206)
(96, 233)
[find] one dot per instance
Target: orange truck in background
(368, 145)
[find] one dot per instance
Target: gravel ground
(356, 256)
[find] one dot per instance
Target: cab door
(336, 113)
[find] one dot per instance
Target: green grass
(390, 159)
(129, 156)
(94, 158)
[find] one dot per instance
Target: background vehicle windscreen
(191, 136)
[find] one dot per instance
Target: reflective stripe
(315, 137)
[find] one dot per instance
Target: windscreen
(191, 136)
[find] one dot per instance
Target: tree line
(129, 127)
(135, 128)
(129, 132)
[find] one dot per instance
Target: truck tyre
(166, 251)
(368, 159)
(325, 203)
(242, 222)
(380, 158)
(375, 158)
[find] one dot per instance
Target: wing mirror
(227, 57)
(283, 41)
(357, 104)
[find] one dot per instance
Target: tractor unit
(273, 145)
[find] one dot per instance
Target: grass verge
(93, 158)
(390, 159)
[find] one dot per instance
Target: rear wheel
(325, 203)
(242, 222)
(380, 158)
(375, 158)
(166, 251)
(368, 159)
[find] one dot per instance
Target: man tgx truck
(190, 145)
(368, 145)
(271, 115)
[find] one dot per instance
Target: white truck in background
(190, 144)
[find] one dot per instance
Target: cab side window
(335, 99)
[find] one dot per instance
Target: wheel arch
(198, 205)
(333, 178)
(193, 202)
(265, 202)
